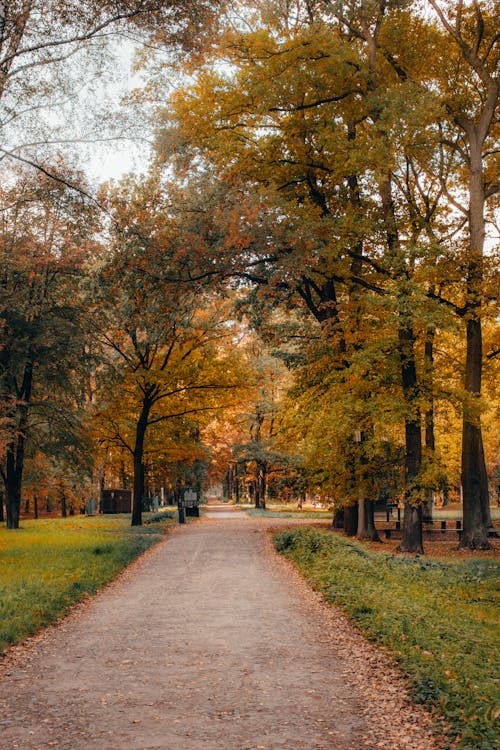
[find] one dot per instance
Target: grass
(291, 511)
(287, 511)
(438, 619)
(50, 564)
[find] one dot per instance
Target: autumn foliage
(298, 296)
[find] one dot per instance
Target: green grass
(287, 511)
(442, 514)
(438, 619)
(50, 564)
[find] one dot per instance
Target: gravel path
(209, 642)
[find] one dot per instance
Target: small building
(116, 501)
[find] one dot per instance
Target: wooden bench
(427, 530)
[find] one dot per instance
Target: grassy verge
(438, 619)
(50, 564)
(284, 511)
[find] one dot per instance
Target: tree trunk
(35, 506)
(260, 485)
(63, 506)
(13, 485)
(2, 517)
(13, 489)
(236, 484)
(474, 479)
(412, 529)
(338, 519)
(476, 516)
(430, 442)
(476, 512)
(140, 434)
(138, 492)
(14, 464)
(474, 127)
(12, 506)
(366, 521)
(351, 519)
(412, 522)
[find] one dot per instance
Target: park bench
(429, 530)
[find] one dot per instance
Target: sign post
(188, 504)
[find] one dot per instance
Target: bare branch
(55, 177)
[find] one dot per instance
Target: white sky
(107, 163)
(111, 160)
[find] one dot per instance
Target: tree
(165, 340)
(46, 238)
(257, 449)
(473, 36)
(467, 125)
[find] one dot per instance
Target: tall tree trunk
(476, 511)
(430, 442)
(412, 540)
(476, 517)
(260, 466)
(14, 472)
(138, 455)
(474, 127)
(2, 517)
(412, 522)
(12, 487)
(14, 467)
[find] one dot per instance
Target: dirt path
(209, 642)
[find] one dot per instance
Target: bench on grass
(428, 530)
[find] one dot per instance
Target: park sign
(189, 497)
(188, 503)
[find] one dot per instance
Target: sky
(105, 163)
(110, 160)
